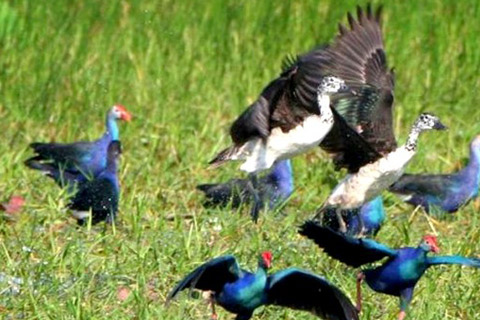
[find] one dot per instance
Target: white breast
(259, 154)
(369, 182)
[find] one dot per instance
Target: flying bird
(397, 276)
(241, 292)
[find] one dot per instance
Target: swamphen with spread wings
(100, 195)
(273, 189)
(441, 193)
(397, 276)
(79, 161)
(241, 292)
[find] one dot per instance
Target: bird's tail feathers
(223, 157)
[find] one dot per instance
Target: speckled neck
(412, 139)
(324, 105)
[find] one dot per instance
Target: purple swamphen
(441, 193)
(100, 195)
(273, 190)
(241, 292)
(78, 161)
(397, 276)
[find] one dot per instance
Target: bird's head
(428, 121)
(120, 112)
(266, 260)
(332, 85)
(429, 244)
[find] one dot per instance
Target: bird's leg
(360, 277)
(212, 303)
(342, 226)
(363, 230)
(405, 298)
(257, 203)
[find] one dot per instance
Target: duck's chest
(243, 296)
(370, 180)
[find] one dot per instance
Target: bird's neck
(112, 128)
(412, 139)
(324, 105)
(473, 167)
(282, 177)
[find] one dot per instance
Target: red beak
(435, 248)
(126, 116)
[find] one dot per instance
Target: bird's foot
(214, 316)
(402, 315)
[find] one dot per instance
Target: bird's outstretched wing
(302, 290)
(358, 56)
(351, 251)
(471, 262)
(211, 276)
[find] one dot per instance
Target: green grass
(186, 69)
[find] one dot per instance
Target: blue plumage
(398, 275)
(442, 193)
(77, 162)
(100, 195)
(272, 190)
(241, 292)
(366, 220)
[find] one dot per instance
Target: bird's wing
(234, 191)
(98, 195)
(357, 56)
(61, 152)
(349, 250)
(351, 150)
(302, 290)
(471, 262)
(211, 276)
(434, 185)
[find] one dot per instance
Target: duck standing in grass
(76, 162)
(241, 292)
(441, 193)
(273, 190)
(397, 276)
(364, 221)
(100, 195)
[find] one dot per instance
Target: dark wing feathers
(434, 185)
(351, 251)
(60, 152)
(234, 191)
(352, 151)
(210, 276)
(302, 290)
(357, 56)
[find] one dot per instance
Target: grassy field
(186, 69)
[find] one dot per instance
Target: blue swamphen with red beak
(440, 193)
(101, 194)
(273, 189)
(241, 292)
(78, 161)
(397, 276)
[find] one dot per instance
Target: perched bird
(272, 129)
(273, 189)
(100, 195)
(397, 276)
(79, 161)
(371, 179)
(241, 292)
(440, 193)
(364, 221)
